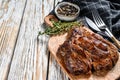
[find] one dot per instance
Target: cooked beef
(85, 51)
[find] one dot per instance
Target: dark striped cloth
(109, 10)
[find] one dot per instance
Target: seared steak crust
(85, 52)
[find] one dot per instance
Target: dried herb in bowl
(67, 10)
(60, 27)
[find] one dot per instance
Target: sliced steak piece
(85, 51)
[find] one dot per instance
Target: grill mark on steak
(85, 52)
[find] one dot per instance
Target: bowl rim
(62, 3)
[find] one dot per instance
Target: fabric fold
(109, 11)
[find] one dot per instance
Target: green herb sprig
(60, 27)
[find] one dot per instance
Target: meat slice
(85, 51)
(74, 58)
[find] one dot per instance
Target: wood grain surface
(11, 12)
(24, 55)
(31, 54)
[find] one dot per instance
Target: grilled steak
(85, 51)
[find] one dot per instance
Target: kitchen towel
(109, 11)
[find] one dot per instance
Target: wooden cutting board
(56, 41)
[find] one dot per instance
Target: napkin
(109, 11)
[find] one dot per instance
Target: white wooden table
(24, 55)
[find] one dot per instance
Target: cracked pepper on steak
(85, 52)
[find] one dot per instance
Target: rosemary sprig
(59, 27)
